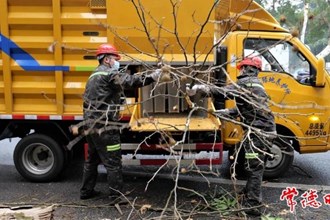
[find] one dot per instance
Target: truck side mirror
(320, 74)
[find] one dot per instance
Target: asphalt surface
(309, 172)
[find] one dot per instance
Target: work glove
(224, 111)
(192, 91)
(156, 74)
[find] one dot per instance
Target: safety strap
(251, 155)
(98, 73)
(250, 85)
(113, 147)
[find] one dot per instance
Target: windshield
(279, 56)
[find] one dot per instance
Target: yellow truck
(48, 52)
(296, 81)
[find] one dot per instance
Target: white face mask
(241, 71)
(116, 65)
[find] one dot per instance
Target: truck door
(288, 75)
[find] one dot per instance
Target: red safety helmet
(251, 61)
(107, 49)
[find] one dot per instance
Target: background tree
(318, 29)
(291, 15)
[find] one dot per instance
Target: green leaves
(223, 204)
(268, 217)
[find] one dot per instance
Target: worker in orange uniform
(102, 98)
(258, 125)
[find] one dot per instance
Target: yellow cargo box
(48, 46)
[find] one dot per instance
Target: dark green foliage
(318, 26)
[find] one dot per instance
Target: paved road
(310, 169)
(309, 172)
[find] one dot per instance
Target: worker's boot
(253, 208)
(89, 195)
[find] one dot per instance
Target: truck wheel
(38, 158)
(282, 160)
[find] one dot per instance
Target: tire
(39, 158)
(282, 160)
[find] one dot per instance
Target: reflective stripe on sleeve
(113, 147)
(254, 85)
(98, 73)
(251, 155)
